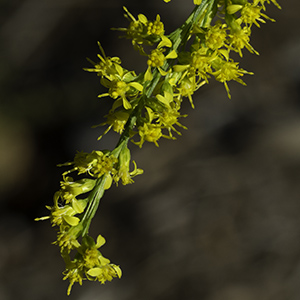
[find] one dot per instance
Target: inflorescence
(145, 108)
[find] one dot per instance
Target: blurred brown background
(216, 214)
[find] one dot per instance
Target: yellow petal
(126, 103)
(100, 241)
(94, 272)
(162, 72)
(231, 9)
(118, 271)
(150, 113)
(165, 42)
(168, 96)
(78, 207)
(73, 221)
(142, 18)
(137, 86)
(163, 99)
(225, 53)
(148, 75)
(172, 54)
(119, 69)
(180, 68)
(108, 182)
(103, 261)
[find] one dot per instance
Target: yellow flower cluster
(73, 210)
(214, 30)
(146, 107)
(89, 264)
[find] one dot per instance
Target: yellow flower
(70, 188)
(233, 8)
(168, 118)
(150, 133)
(105, 273)
(135, 29)
(156, 27)
(229, 70)
(187, 88)
(197, 66)
(107, 66)
(74, 274)
(95, 163)
(62, 216)
(118, 88)
(251, 14)
(98, 267)
(124, 172)
(83, 162)
(216, 36)
(116, 121)
(157, 59)
(105, 164)
(239, 39)
(88, 263)
(200, 63)
(67, 239)
(142, 31)
(65, 214)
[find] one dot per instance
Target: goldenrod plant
(145, 108)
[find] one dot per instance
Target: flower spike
(146, 107)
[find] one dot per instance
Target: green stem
(180, 36)
(93, 203)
